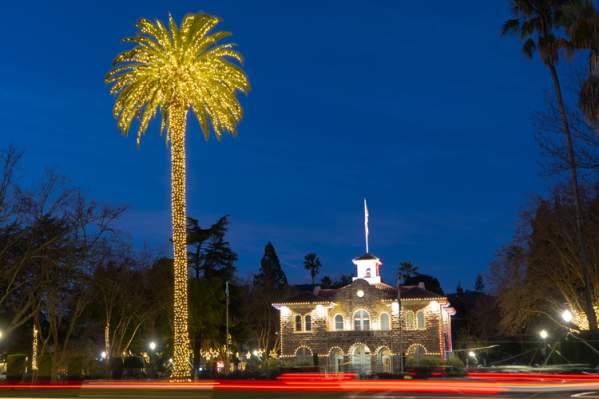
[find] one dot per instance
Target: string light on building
(172, 70)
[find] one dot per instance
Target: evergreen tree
(459, 290)
(430, 283)
(271, 276)
(326, 282)
(211, 254)
(312, 264)
(479, 284)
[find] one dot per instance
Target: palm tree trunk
(177, 120)
(584, 258)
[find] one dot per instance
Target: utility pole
(227, 326)
(401, 368)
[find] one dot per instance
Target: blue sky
(419, 106)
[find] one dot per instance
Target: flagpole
(366, 223)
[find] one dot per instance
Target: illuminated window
(420, 319)
(298, 323)
(385, 321)
(367, 275)
(361, 321)
(308, 323)
(410, 322)
(339, 322)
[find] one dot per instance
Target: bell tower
(368, 268)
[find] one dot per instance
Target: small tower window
(367, 274)
(298, 323)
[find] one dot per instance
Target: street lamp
(472, 354)
(543, 334)
(152, 346)
(1, 334)
(103, 355)
(567, 316)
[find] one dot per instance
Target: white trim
(412, 349)
(303, 346)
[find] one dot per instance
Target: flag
(366, 223)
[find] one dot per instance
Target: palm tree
(581, 21)
(536, 22)
(172, 70)
(406, 270)
(312, 264)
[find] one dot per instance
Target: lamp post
(401, 366)
(227, 326)
(567, 317)
(152, 345)
(471, 355)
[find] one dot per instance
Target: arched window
(298, 322)
(339, 322)
(367, 275)
(420, 319)
(410, 322)
(361, 321)
(303, 356)
(385, 321)
(308, 323)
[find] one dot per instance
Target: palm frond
(184, 66)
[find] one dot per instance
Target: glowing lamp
(360, 293)
(152, 346)
(103, 355)
(472, 354)
(395, 308)
(320, 310)
(543, 334)
(285, 311)
(567, 316)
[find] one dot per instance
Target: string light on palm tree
(171, 70)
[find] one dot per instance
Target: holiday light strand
(173, 69)
(34, 366)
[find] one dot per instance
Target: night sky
(419, 106)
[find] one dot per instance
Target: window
(298, 323)
(385, 321)
(420, 319)
(410, 322)
(339, 322)
(361, 321)
(308, 323)
(367, 275)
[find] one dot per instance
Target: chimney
(316, 290)
(421, 285)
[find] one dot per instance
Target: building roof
(366, 256)
(408, 292)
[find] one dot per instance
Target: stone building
(357, 327)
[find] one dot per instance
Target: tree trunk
(584, 258)
(177, 120)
